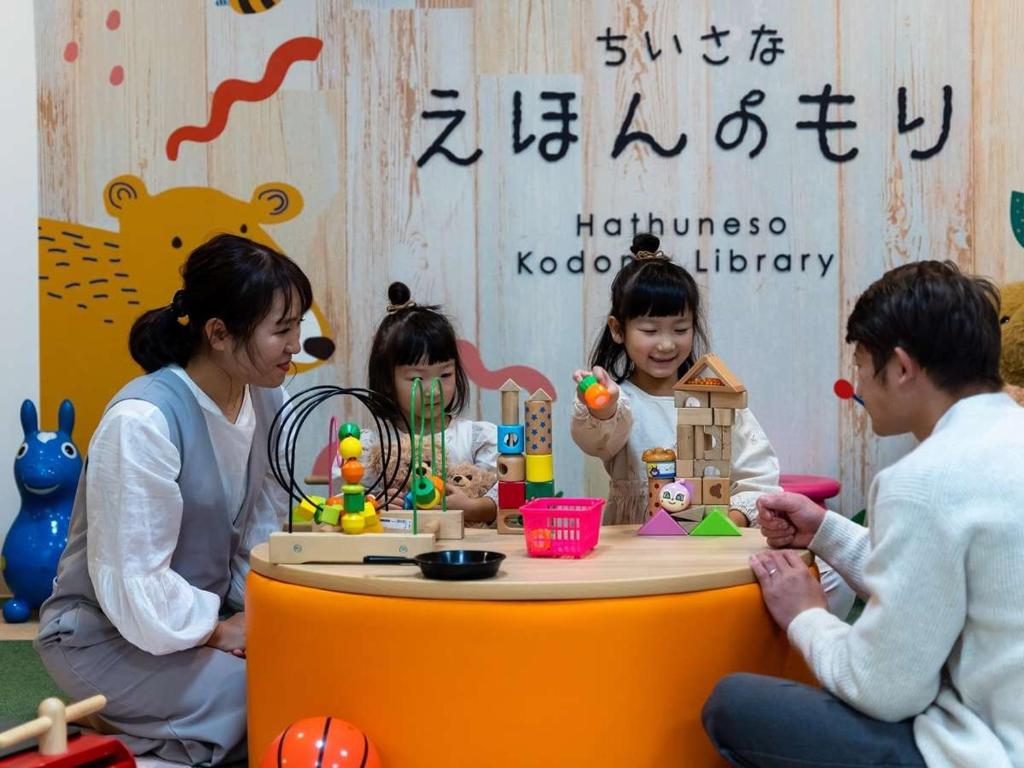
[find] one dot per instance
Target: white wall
(19, 211)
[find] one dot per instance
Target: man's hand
(787, 585)
(788, 519)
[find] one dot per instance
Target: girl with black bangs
(653, 335)
(147, 606)
(415, 341)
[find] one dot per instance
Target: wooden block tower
(511, 461)
(540, 467)
(706, 400)
(525, 459)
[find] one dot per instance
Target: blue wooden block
(511, 438)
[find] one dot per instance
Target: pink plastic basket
(561, 527)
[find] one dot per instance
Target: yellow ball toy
(350, 448)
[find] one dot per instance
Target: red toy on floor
(56, 749)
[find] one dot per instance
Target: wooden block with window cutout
(711, 468)
(511, 467)
(693, 399)
(708, 443)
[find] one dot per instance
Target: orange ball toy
(352, 471)
(321, 741)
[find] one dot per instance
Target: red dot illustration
(113, 20)
(117, 75)
(71, 51)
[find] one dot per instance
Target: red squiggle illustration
(528, 378)
(230, 91)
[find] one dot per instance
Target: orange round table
(604, 661)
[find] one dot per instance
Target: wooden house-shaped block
(706, 400)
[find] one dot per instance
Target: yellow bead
(353, 523)
(350, 448)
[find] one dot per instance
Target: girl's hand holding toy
(597, 391)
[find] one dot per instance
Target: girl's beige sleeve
(601, 438)
(755, 467)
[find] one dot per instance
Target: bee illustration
(249, 6)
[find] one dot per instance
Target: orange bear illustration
(94, 283)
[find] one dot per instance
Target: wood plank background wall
(346, 131)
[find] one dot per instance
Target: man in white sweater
(933, 671)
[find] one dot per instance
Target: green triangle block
(716, 524)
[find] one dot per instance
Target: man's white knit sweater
(942, 568)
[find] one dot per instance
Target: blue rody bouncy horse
(46, 468)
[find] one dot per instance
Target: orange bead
(438, 484)
(596, 397)
(352, 471)
(539, 539)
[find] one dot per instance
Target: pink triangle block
(661, 524)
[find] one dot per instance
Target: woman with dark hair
(147, 604)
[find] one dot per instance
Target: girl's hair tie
(408, 304)
(178, 308)
(650, 255)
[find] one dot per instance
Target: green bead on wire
(417, 444)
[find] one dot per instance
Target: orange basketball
(321, 742)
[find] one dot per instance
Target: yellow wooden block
(723, 416)
(540, 467)
(684, 468)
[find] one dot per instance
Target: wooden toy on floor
(55, 748)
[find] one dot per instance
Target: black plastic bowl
(448, 564)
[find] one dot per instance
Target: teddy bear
(469, 479)
(1011, 319)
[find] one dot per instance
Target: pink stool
(814, 487)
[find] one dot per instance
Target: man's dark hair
(946, 320)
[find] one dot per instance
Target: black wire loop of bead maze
(290, 418)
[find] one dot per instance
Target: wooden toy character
(675, 497)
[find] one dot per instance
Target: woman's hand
(229, 635)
